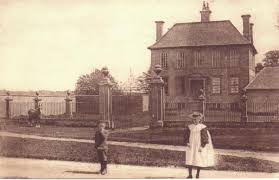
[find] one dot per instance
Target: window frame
(216, 59)
(197, 59)
(233, 85)
(234, 57)
(180, 60)
(220, 85)
(164, 60)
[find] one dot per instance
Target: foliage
(88, 84)
(271, 58)
(259, 67)
(143, 81)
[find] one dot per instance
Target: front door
(196, 86)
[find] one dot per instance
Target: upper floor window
(197, 59)
(164, 60)
(234, 85)
(233, 58)
(216, 59)
(181, 60)
(216, 85)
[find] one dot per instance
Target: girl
(199, 149)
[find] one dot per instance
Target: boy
(101, 136)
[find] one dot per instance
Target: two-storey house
(209, 55)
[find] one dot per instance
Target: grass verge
(257, 139)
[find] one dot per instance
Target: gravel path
(33, 168)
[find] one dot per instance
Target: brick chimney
(251, 33)
(205, 12)
(246, 26)
(159, 29)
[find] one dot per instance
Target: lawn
(261, 139)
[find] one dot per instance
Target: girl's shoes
(190, 177)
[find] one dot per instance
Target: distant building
(209, 55)
(265, 87)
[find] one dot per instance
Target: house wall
(263, 96)
(224, 71)
(263, 101)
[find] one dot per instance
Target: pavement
(270, 156)
(34, 168)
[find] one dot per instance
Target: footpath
(270, 156)
(34, 168)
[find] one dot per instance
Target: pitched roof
(201, 34)
(266, 79)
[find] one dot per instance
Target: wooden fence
(82, 106)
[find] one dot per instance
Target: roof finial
(203, 6)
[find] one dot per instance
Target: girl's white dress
(206, 157)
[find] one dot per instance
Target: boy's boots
(104, 167)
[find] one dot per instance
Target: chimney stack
(246, 26)
(159, 29)
(205, 12)
(251, 33)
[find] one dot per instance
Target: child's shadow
(82, 172)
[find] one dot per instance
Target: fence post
(105, 100)
(36, 101)
(68, 100)
(157, 99)
(244, 114)
(8, 99)
(202, 100)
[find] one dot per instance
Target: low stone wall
(168, 124)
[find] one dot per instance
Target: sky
(48, 44)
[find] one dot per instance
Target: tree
(259, 67)
(143, 81)
(271, 58)
(88, 84)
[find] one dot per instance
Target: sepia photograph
(129, 89)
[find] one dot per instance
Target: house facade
(209, 55)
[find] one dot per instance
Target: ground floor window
(234, 85)
(216, 85)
